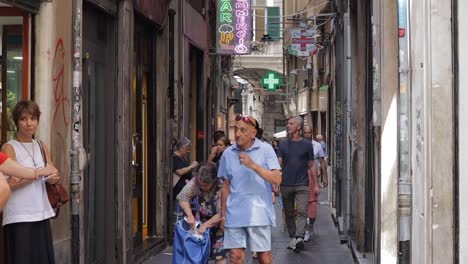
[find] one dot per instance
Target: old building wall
(387, 251)
(53, 90)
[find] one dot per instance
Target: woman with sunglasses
(205, 189)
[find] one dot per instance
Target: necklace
(29, 153)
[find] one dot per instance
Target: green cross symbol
(271, 81)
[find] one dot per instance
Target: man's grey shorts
(255, 238)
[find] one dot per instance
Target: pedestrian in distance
(248, 168)
(323, 144)
(321, 171)
(216, 151)
(221, 145)
(275, 145)
(206, 188)
(181, 169)
(27, 213)
(296, 155)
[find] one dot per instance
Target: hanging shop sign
(303, 42)
(234, 27)
(271, 81)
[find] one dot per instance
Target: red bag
(56, 193)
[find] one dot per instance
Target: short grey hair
(298, 120)
(182, 143)
(206, 172)
(319, 137)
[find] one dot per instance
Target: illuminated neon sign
(233, 26)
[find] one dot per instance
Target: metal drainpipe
(348, 178)
(75, 176)
(404, 178)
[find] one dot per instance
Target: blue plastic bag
(189, 249)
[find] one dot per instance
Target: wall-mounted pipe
(404, 178)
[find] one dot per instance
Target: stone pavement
(324, 246)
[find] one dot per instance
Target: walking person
(322, 171)
(206, 188)
(248, 168)
(323, 144)
(27, 213)
(296, 155)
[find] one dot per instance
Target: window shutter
(273, 22)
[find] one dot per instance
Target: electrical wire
(294, 14)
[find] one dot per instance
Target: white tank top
(28, 203)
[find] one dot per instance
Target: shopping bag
(190, 248)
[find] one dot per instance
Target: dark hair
(224, 140)
(259, 133)
(217, 135)
(206, 172)
(275, 141)
(25, 107)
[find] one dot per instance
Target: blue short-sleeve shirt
(249, 202)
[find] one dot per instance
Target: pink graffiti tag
(61, 117)
(61, 100)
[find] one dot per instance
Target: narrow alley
(324, 246)
(131, 97)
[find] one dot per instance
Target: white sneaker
(306, 236)
(292, 244)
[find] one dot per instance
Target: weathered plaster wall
(389, 140)
(463, 128)
(53, 89)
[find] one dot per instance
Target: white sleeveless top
(28, 203)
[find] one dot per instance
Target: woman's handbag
(56, 193)
(190, 248)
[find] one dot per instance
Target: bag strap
(42, 152)
(197, 217)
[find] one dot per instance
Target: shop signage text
(234, 27)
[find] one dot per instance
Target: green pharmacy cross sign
(271, 81)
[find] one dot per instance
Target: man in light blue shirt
(249, 168)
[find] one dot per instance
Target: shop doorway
(99, 104)
(144, 135)
(15, 64)
(197, 105)
(15, 72)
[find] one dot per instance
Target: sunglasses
(247, 120)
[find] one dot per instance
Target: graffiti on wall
(60, 109)
(338, 140)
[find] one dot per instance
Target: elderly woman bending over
(206, 189)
